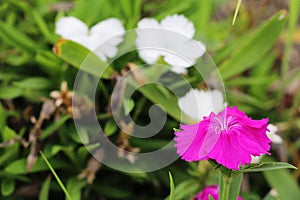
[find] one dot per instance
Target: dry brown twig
(48, 108)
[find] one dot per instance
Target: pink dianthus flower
(229, 137)
(212, 190)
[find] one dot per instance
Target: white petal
(149, 42)
(177, 61)
(148, 23)
(108, 29)
(199, 103)
(105, 36)
(70, 27)
(179, 24)
(84, 41)
(272, 134)
(100, 53)
(217, 101)
(255, 159)
(179, 70)
(272, 128)
(149, 56)
(185, 51)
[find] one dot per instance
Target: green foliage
(172, 196)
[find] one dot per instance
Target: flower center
(222, 124)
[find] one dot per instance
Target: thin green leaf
(14, 35)
(19, 166)
(235, 187)
(74, 186)
(56, 176)
(294, 6)
(49, 63)
(128, 106)
(33, 83)
(242, 81)
(110, 127)
(7, 187)
(42, 25)
(283, 183)
(237, 8)
(171, 197)
(10, 152)
(2, 118)
(44, 193)
(267, 166)
(81, 58)
(184, 189)
(255, 48)
(10, 92)
(54, 126)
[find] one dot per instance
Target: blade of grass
(237, 8)
(171, 197)
(56, 176)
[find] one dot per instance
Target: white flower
(108, 33)
(199, 103)
(272, 134)
(171, 39)
(275, 138)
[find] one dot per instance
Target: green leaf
(283, 183)
(81, 58)
(18, 38)
(237, 8)
(128, 106)
(7, 187)
(255, 48)
(10, 92)
(10, 152)
(54, 126)
(184, 189)
(56, 177)
(2, 118)
(235, 187)
(19, 166)
(42, 25)
(44, 193)
(110, 127)
(74, 187)
(202, 17)
(267, 166)
(294, 8)
(171, 197)
(49, 63)
(33, 83)
(257, 81)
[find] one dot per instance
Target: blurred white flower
(199, 103)
(275, 138)
(108, 33)
(171, 39)
(272, 134)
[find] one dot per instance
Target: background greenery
(258, 59)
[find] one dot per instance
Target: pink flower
(229, 137)
(212, 190)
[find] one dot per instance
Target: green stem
(226, 188)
